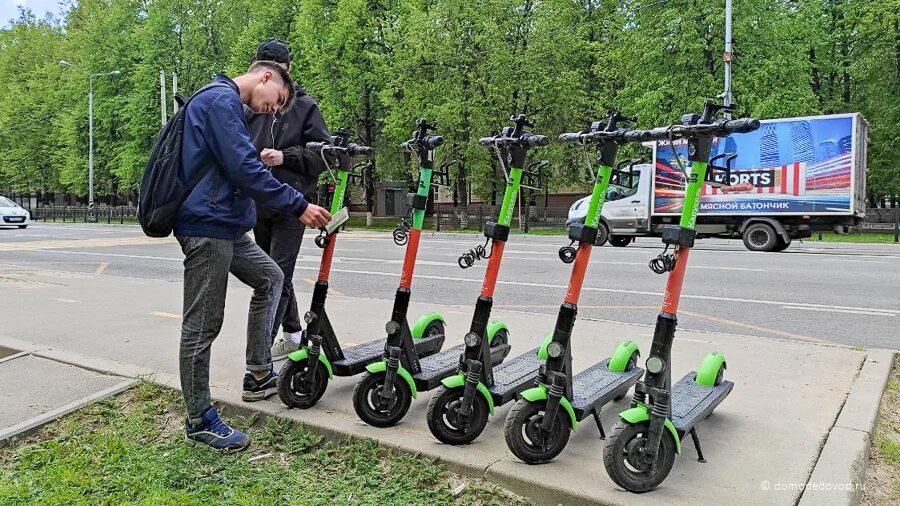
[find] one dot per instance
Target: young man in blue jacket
(212, 229)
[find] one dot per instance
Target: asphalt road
(815, 292)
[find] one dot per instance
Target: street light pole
(91, 150)
(728, 56)
(91, 133)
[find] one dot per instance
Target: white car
(12, 214)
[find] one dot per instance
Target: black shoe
(259, 389)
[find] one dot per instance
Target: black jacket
(289, 132)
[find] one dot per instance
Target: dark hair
(276, 68)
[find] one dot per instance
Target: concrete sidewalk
(799, 411)
(38, 390)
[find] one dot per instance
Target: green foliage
(377, 65)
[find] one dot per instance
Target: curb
(835, 478)
(31, 425)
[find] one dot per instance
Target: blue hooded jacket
(217, 143)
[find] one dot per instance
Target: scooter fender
(539, 393)
(492, 329)
(709, 369)
(619, 360)
(303, 354)
(641, 413)
(377, 367)
(418, 329)
(459, 381)
(542, 351)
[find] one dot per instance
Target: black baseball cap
(274, 50)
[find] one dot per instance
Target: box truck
(786, 180)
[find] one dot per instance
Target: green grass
(884, 238)
(130, 450)
(882, 484)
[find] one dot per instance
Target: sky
(9, 9)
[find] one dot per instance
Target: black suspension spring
(322, 239)
(479, 252)
(473, 376)
(393, 362)
(567, 253)
(555, 390)
(639, 397)
(401, 233)
(664, 263)
(660, 407)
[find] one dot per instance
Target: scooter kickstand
(599, 424)
(697, 446)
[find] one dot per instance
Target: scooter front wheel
(444, 419)
(294, 389)
(623, 457)
(525, 437)
(369, 406)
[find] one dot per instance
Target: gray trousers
(207, 263)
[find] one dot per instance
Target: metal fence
(81, 214)
(476, 215)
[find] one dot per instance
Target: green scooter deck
(693, 402)
(597, 385)
(356, 358)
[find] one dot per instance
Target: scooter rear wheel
(444, 420)
(622, 457)
(294, 390)
(527, 440)
(366, 396)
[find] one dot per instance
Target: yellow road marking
(312, 282)
(101, 268)
(68, 301)
(166, 315)
(756, 328)
(105, 242)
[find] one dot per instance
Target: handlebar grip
(636, 135)
(658, 134)
(532, 140)
(486, 141)
(742, 125)
(316, 146)
(570, 138)
(432, 141)
(357, 150)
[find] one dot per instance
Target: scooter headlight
(392, 327)
(555, 350)
(309, 317)
(471, 339)
(655, 365)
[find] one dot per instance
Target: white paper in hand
(337, 220)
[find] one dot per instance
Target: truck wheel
(602, 234)
(620, 241)
(760, 237)
(781, 245)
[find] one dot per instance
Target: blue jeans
(207, 263)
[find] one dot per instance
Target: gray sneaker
(283, 347)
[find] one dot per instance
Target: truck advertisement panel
(787, 166)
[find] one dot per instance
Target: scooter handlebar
(357, 150)
(570, 138)
(525, 140)
(532, 140)
(742, 125)
(317, 146)
(429, 143)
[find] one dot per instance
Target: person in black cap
(280, 140)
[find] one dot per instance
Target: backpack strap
(183, 110)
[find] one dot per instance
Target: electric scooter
(537, 427)
(304, 377)
(458, 412)
(640, 451)
(382, 398)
